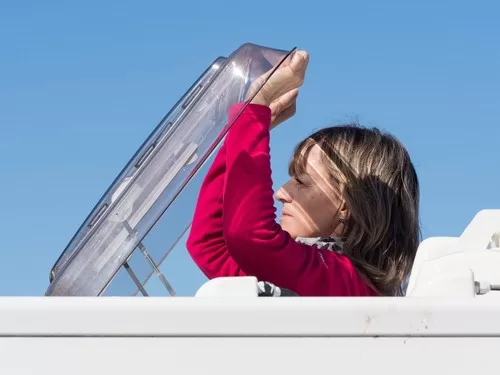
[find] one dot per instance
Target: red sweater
(234, 230)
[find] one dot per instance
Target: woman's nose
(282, 195)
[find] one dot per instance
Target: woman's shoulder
(342, 268)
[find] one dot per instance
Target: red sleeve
(206, 243)
(254, 239)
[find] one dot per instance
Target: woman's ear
(343, 216)
(341, 219)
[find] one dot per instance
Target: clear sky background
(82, 84)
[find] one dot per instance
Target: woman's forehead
(315, 160)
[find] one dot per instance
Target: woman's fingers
(299, 63)
(284, 107)
(284, 101)
(257, 83)
(289, 77)
(285, 79)
(284, 115)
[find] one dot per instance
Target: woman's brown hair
(379, 185)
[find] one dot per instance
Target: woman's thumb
(299, 61)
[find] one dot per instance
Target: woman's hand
(280, 92)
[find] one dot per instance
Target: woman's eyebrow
(305, 176)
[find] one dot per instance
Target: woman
(350, 210)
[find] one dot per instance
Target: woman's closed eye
(299, 181)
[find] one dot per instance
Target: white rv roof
(197, 316)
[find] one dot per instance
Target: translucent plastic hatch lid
(157, 173)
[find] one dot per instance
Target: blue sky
(83, 84)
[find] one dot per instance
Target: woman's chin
(287, 226)
(295, 231)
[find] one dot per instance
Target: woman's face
(310, 203)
